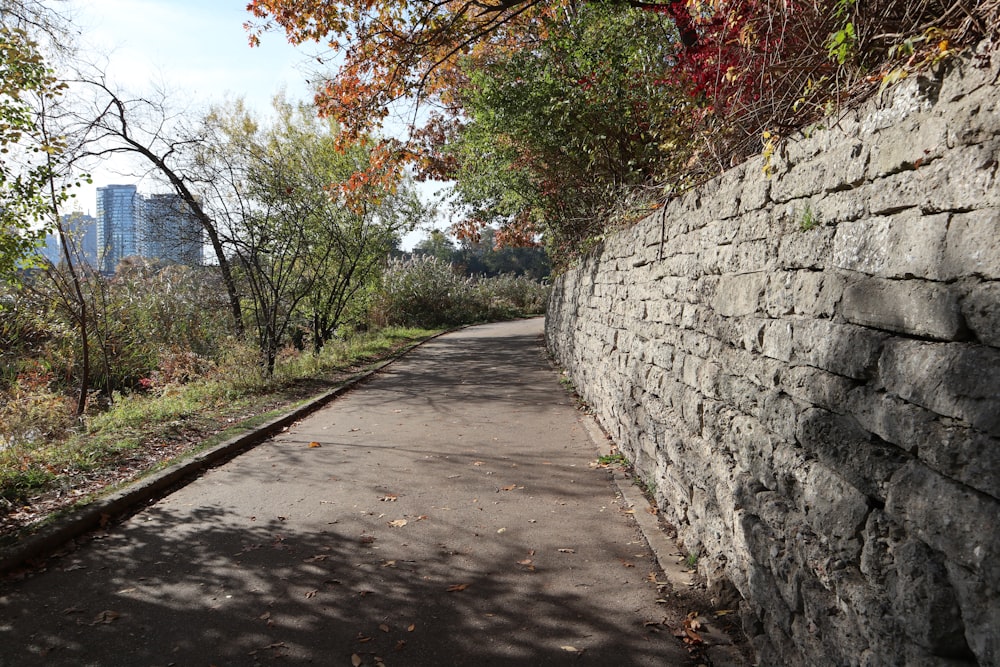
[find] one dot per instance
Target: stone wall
(806, 368)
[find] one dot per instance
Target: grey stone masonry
(806, 368)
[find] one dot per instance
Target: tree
(26, 170)
(394, 49)
(306, 237)
(436, 244)
(556, 137)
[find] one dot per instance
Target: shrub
(427, 292)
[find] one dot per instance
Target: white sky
(195, 48)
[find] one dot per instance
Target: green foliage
(25, 80)
(307, 247)
(615, 459)
(558, 134)
(809, 219)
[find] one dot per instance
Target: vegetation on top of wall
(559, 120)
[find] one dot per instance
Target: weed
(691, 560)
(615, 459)
(809, 219)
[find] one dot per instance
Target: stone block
(907, 99)
(979, 600)
(911, 307)
(963, 454)
(903, 246)
(779, 299)
(981, 310)
(739, 294)
(955, 380)
(841, 444)
(777, 342)
(844, 349)
(924, 601)
(964, 179)
(839, 207)
(887, 416)
(817, 387)
(919, 139)
(973, 245)
(756, 189)
(816, 293)
(948, 516)
(777, 413)
(806, 249)
(834, 508)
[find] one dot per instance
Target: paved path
(448, 517)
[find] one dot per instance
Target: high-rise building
(169, 230)
(118, 211)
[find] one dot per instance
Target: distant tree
(436, 244)
(482, 257)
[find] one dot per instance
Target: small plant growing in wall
(809, 219)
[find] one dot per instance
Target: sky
(196, 48)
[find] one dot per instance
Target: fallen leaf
(422, 517)
(412, 627)
(106, 617)
(398, 523)
(501, 531)
(315, 559)
(314, 445)
(400, 645)
(362, 638)
(457, 587)
(567, 551)
(384, 627)
(625, 563)
(526, 561)
(509, 487)
(723, 612)
(356, 660)
(266, 615)
(389, 498)
(311, 594)
(389, 563)
(478, 463)
(367, 539)
(571, 649)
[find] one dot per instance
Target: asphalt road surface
(444, 512)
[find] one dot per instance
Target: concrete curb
(159, 484)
